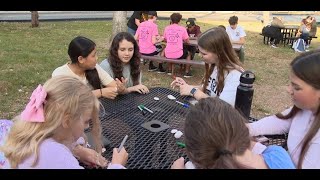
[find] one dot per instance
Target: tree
(119, 23)
(34, 19)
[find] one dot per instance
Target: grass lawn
(29, 55)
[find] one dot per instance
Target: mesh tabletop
(146, 149)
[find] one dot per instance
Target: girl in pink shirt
(175, 35)
(302, 121)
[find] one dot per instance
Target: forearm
(269, 125)
(127, 90)
(200, 95)
(97, 93)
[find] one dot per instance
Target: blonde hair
(67, 97)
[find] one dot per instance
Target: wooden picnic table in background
(194, 42)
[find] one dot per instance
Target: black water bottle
(245, 93)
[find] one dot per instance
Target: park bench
(161, 59)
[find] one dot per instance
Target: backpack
(299, 45)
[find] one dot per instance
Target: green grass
(29, 55)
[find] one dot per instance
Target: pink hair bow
(34, 110)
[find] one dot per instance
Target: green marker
(181, 144)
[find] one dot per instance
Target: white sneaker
(274, 46)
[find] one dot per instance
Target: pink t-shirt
(145, 31)
(174, 34)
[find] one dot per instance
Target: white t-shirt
(229, 91)
(65, 70)
(235, 34)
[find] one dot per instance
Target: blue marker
(183, 104)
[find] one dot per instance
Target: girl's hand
(140, 88)
(178, 164)
(177, 82)
(110, 92)
(185, 90)
(121, 84)
(89, 156)
(119, 157)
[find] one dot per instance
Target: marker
(122, 143)
(183, 104)
(141, 110)
(146, 108)
(181, 144)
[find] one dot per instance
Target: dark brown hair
(82, 46)
(175, 18)
(307, 68)
(216, 40)
(233, 20)
(116, 63)
(214, 133)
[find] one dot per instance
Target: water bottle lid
(247, 77)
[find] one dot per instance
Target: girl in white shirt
(83, 55)
(302, 121)
(222, 68)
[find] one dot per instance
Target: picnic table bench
(161, 59)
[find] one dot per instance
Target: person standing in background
(136, 18)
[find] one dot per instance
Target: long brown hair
(307, 68)
(214, 133)
(217, 41)
(115, 62)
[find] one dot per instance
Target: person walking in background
(216, 137)
(123, 64)
(302, 121)
(134, 21)
(236, 34)
(44, 135)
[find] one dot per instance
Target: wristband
(193, 91)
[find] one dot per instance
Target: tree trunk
(119, 23)
(34, 19)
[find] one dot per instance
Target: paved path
(16, 16)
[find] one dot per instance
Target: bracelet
(100, 92)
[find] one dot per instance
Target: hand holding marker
(122, 143)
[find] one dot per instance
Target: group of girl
(54, 120)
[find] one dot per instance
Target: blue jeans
(131, 31)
